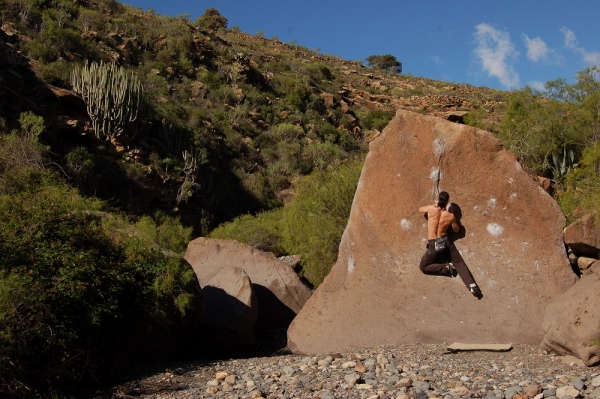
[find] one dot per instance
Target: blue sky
(502, 44)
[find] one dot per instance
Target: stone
(568, 390)
(545, 183)
(511, 240)
(584, 263)
(533, 390)
(230, 311)
(280, 292)
(578, 384)
(221, 375)
(230, 379)
(512, 391)
(404, 383)
(351, 378)
(381, 359)
(360, 367)
(461, 391)
(328, 98)
(583, 236)
(571, 321)
(364, 386)
(349, 364)
(212, 390)
(596, 381)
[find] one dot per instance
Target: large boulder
(583, 236)
(572, 320)
(279, 290)
(511, 240)
(230, 311)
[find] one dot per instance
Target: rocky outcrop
(583, 236)
(279, 291)
(230, 310)
(572, 320)
(511, 240)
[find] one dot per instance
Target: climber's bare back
(438, 221)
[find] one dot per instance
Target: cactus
(562, 166)
(114, 99)
(190, 170)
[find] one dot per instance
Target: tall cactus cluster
(113, 97)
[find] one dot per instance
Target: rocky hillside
(254, 113)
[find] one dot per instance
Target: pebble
(423, 371)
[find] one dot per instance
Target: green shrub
(286, 132)
(31, 124)
(262, 231)
(321, 156)
(18, 153)
(37, 50)
(314, 222)
(581, 190)
(477, 118)
(57, 73)
(83, 294)
(80, 164)
(377, 119)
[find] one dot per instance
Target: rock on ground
(572, 320)
(394, 372)
(279, 290)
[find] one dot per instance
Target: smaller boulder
(279, 290)
(584, 263)
(571, 321)
(583, 236)
(230, 311)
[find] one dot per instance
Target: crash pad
(459, 346)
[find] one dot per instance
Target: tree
(212, 19)
(386, 62)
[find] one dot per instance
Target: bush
(83, 294)
(314, 222)
(377, 119)
(262, 231)
(31, 124)
(321, 156)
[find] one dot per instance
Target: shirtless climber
(439, 219)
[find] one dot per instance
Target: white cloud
(570, 39)
(537, 49)
(537, 85)
(571, 43)
(437, 60)
(494, 50)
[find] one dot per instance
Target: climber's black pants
(434, 263)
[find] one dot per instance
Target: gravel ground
(395, 372)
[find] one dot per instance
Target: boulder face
(511, 240)
(280, 292)
(571, 320)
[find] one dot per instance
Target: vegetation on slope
(557, 135)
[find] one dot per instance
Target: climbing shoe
(451, 269)
(474, 288)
